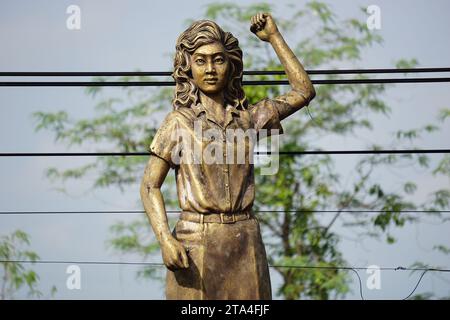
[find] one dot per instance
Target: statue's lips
(211, 81)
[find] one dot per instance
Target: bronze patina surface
(216, 250)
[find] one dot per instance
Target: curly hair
(200, 33)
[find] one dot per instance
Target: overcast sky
(130, 35)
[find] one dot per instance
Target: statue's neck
(213, 102)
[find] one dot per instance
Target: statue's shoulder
(183, 117)
(184, 114)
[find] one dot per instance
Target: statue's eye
(219, 60)
(199, 61)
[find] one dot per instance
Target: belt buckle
(225, 218)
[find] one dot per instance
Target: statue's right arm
(174, 254)
(151, 196)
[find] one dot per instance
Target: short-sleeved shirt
(215, 186)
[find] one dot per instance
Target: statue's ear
(231, 70)
(188, 61)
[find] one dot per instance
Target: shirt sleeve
(284, 108)
(266, 116)
(166, 144)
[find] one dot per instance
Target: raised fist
(263, 25)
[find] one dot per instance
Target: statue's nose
(210, 67)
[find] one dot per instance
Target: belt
(215, 217)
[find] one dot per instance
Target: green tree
(15, 275)
(303, 185)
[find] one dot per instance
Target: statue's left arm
(302, 90)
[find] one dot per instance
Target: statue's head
(210, 60)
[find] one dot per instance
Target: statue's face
(209, 67)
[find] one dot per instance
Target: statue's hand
(174, 255)
(263, 26)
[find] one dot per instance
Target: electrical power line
(246, 73)
(132, 212)
(282, 153)
(248, 82)
(158, 264)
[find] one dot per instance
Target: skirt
(226, 262)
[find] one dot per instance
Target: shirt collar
(199, 108)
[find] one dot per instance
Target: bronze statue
(216, 250)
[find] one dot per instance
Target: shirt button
(226, 185)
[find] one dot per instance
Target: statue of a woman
(216, 250)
